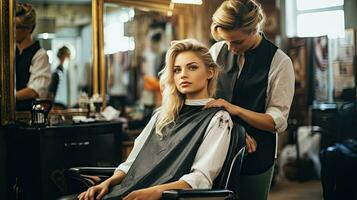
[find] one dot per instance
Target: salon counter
(38, 157)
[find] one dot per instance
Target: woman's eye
(177, 70)
(193, 67)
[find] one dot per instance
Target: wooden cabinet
(38, 158)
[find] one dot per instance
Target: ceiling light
(196, 2)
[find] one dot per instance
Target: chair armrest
(92, 171)
(81, 178)
(197, 193)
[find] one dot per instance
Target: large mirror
(135, 43)
(137, 35)
(64, 31)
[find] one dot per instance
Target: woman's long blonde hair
(172, 99)
(246, 15)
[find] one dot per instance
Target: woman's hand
(151, 193)
(94, 193)
(232, 109)
(250, 143)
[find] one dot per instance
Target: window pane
(331, 23)
(315, 4)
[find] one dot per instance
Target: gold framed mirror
(144, 30)
(8, 113)
(135, 36)
(7, 102)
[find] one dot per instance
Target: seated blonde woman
(183, 146)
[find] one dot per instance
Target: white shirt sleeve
(211, 153)
(138, 144)
(40, 73)
(215, 49)
(281, 85)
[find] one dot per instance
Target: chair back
(227, 179)
(346, 122)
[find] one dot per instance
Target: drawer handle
(73, 144)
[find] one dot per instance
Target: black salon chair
(339, 161)
(224, 186)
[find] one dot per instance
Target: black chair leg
(329, 161)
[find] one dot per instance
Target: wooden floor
(286, 190)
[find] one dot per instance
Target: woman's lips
(185, 84)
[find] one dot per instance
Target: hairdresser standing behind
(256, 86)
(33, 70)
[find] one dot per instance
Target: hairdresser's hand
(151, 193)
(250, 143)
(232, 109)
(94, 193)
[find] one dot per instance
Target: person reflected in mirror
(118, 65)
(182, 146)
(33, 70)
(63, 55)
(153, 58)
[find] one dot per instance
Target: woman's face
(191, 75)
(238, 42)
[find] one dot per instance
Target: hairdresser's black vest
(249, 91)
(167, 159)
(23, 63)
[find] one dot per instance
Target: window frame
(292, 12)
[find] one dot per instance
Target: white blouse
(40, 71)
(210, 155)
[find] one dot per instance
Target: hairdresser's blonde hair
(246, 15)
(172, 99)
(26, 15)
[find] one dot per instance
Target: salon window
(311, 18)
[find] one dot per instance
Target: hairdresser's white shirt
(40, 73)
(210, 156)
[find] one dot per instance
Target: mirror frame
(7, 75)
(162, 6)
(7, 55)
(99, 76)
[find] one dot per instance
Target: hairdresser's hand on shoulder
(94, 193)
(151, 193)
(232, 109)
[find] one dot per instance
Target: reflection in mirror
(135, 43)
(64, 31)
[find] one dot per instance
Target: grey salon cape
(166, 159)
